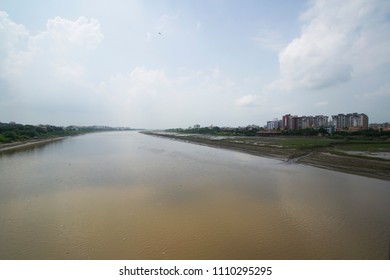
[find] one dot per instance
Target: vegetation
(367, 134)
(305, 132)
(220, 131)
(12, 132)
(304, 143)
(253, 130)
(298, 142)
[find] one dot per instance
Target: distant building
(287, 122)
(363, 121)
(320, 121)
(295, 123)
(330, 129)
(273, 125)
(380, 126)
(350, 121)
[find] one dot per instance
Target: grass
(369, 147)
(305, 143)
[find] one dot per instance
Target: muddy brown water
(124, 195)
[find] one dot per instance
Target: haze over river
(125, 195)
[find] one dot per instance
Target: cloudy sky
(164, 64)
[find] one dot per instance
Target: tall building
(350, 121)
(287, 122)
(295, 123)
(271, 125)
(320, 121)
(363, 121)
(340, 121)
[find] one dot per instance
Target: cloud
(247, 101)
(157, 99)
(141, 82)
(321, 104)
(269, 40)
(49, 77)
(380, 93)
(11, 33)
(64, 34)
(135, 97)
(57, 51)
(339, 40)
(166, 24)
(13, 39)
(47, 71)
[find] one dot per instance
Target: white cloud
(48, 70)
(13, 39)
(62, 33)
(340, 39)
(247, 100)
(146, 76)
(69, 71)
(269, 40)
(50, 74)
(134, 97)
(11, 34)
(56, 51)
(321, 104)
(166, 24)
(139, 82)
(153, 97)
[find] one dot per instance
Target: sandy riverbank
(319, 157)
(20, 145)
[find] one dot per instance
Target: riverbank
(20, 145)
(314, 151)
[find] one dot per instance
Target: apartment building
(340, 121)
(290, 122)
(274, 124)
(350, 121)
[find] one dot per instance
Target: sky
(168, 64)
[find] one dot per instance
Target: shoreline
(20, 145)
(320, 157)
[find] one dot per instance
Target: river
(125, 195)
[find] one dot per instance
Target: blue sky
(163, 64)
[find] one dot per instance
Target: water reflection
(130, 196)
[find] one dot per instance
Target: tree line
(11, 132)
(255, 130)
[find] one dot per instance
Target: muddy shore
(322, 157)
(20, 145)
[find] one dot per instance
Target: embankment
(20, 145)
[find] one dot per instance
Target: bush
(3, 139)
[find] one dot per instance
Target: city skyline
(338, 121)
(175, 63)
